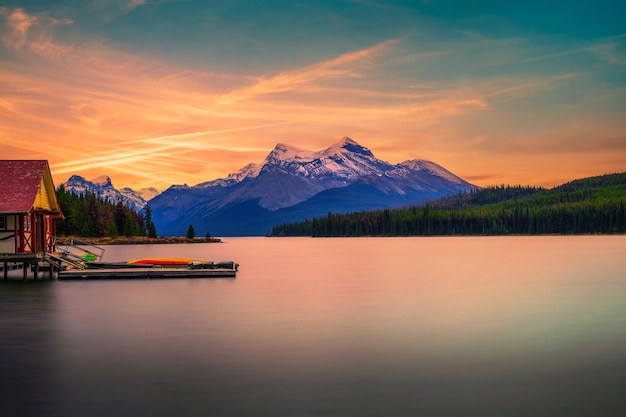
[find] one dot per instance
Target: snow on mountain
(249, 171)
(103, 186)
(345, 161)
(337, 166)
(432, 169)
(292, 182)
(132, 198)
(288, 153)
(290, 175)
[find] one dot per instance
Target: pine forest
(591, 205)
(89, 215)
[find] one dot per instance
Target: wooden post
(25, 269)
(6, 265)
(36, 270)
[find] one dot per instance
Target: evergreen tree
(89, 215)
(149, 226)
(152, 233)
(111, 230)
(120, 217)
(129, 227)
(595, 205)
(190, 232)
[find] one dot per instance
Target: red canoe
(165, 261)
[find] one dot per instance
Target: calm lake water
(485, 326)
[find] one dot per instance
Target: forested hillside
(89, 215)
(591, 205)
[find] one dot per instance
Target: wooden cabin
(28, 207)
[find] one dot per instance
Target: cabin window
(3, 222)
(27, 223)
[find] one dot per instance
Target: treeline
(595, 205)
(90, 215)
(485, 196)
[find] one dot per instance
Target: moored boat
(165, 261)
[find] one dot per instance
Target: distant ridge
(583, 206)
(103, 186)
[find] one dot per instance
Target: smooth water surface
(471, 326)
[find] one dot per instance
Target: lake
(445, 326)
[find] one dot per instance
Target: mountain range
(293, 184)
(290, 185)
(103, 187)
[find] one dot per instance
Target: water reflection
(27, 343)
(443, 326)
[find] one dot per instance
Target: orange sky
(516, 106)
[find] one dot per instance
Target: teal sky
(529, 92)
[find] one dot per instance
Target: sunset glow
(161, 92)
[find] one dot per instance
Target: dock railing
(75, 253)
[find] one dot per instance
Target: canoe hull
(165, 261)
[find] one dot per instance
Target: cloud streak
(155, 123)
(303, 79)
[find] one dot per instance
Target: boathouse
(28, 211)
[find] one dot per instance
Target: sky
(160, 92)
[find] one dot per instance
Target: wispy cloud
(610, 50)
(18, 23)
(135, 3)
(346, 65)
(110, 10)
(155, 122)
(25, 30)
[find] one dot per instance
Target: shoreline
(140, 240)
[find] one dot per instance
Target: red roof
(19, 183)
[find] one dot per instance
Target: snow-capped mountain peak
(287, 153)
(345, 160)
(432, 169)
(250, 170)
(103, 187)
(347, 144)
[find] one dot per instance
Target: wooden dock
(46, 271)
(145, 273)
(24, 261)
(79, 260)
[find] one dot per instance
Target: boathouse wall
(7, 233)
(29, 207)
